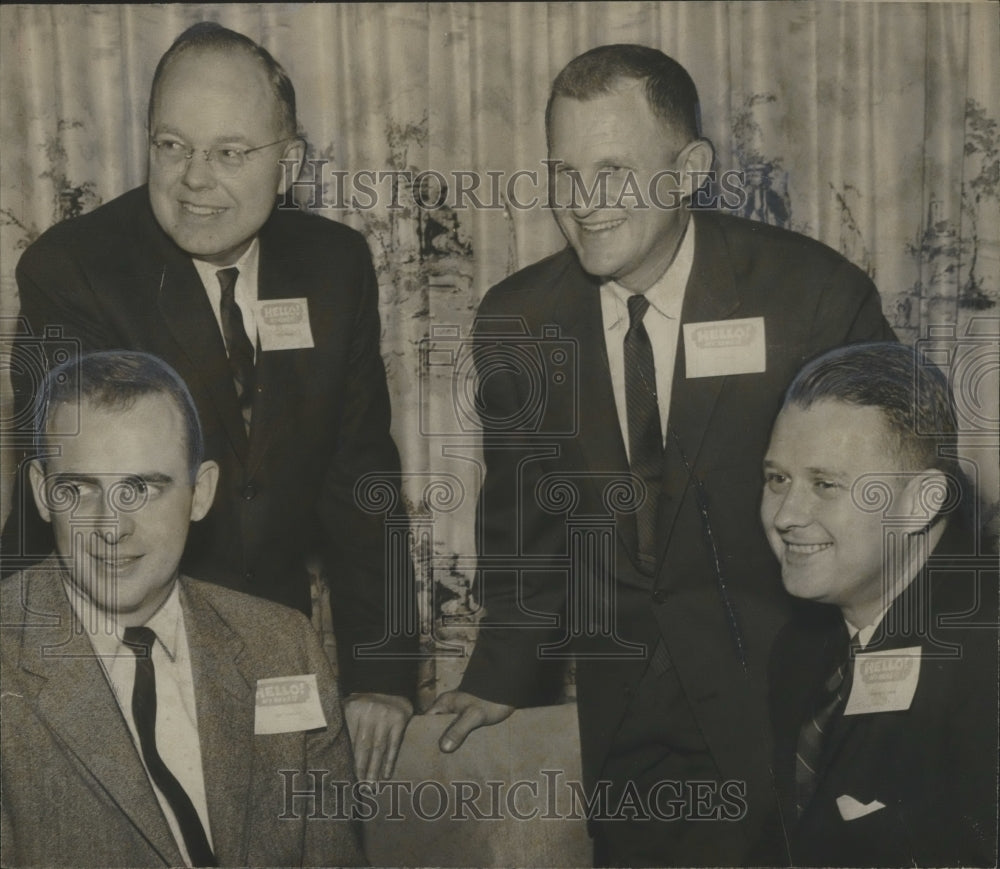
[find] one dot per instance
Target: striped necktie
(814, 735)
(238, 344)
(645, 441)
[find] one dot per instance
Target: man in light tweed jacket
(149, 719)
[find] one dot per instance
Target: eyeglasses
(173, 153)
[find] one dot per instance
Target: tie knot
(140, 639)
(227, 280)
(638, 304)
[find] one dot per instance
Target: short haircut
(116, 380)
(913, 395)
(671, 92)
(209, 36)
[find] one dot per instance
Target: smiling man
(884, 691)
(663, 341)
(271, 317)
(133, 732)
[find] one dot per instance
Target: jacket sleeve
(523, 606)
(60, 314)
(336, 840)
(370, 572)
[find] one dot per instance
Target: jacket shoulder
(296, 226)
(247, 614)
(750, 241)
(115, 221)
(532, 287)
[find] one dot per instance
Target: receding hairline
(225, 53)
(897, 445)
(121, 405)
(616, 88)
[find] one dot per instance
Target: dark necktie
(814, 735)
(645, 442)
(237, 343)
(141, 640)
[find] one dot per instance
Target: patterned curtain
(872, 127)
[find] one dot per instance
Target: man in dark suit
(883, 691)
(271, 317)
(617, 512)
(149, 719)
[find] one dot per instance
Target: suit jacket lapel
(77, 704)
(225, 698)
(903, 615)
(600, 437)
(274, 369)
(710, 295)
(188, 314)
(810, 662)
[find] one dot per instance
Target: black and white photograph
(536, 434)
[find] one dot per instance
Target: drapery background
(870, 126)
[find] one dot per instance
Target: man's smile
(601, 226)
(200, 210)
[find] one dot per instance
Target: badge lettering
(721, 347)
(283, 324)
(288, 704)
(884, 681)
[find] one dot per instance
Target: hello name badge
(283, 324)
(719, 347)
(287, 704)
(884, 681)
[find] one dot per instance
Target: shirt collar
(666, 296)
(865, 634)
(106, 633)
(247, 264)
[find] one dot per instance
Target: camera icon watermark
(971, 364)
(27, 358)
(534, 379)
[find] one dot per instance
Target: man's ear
(695, 161)
(205, 482)
(36, 474)
(291, 157)
(924, 496)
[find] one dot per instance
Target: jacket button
(249, 492)
(249, 575)
(659, 596)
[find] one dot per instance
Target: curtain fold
(870, 126)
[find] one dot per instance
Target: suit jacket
(715, 601)
(933, 766)
(75, 792)
(112, 279)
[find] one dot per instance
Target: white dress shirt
(662, 321)
(245, 290)
(176, 713)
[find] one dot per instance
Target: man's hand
(376, 723)
(472, 712)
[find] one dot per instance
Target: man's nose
(117, 519)
(116, 528)
(584, 195)
(793, 510)
(198, 174)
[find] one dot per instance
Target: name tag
(283, 324)
(288, 704)
(721, 347)
(884, 681)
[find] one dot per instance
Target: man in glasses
(271, 317)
